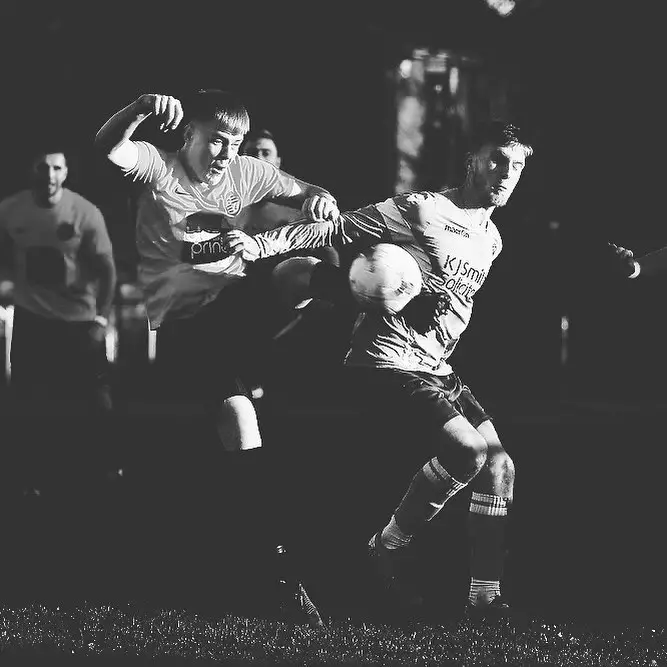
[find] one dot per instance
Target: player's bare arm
(316, 203)
(114, 137)
(365, 225)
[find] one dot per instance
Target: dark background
(583, 77)
(587, 78)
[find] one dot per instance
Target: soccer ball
(384, 278)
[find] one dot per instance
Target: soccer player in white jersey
(401, 361)
(189, 196)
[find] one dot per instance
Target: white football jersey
(454, 248)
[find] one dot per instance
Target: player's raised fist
(167, 110)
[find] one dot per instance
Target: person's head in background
(48, 173)
(262, 145)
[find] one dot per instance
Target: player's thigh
(39, 351)
(416, 408)
(205, 357)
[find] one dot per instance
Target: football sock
(427, 494)
(483, 592)
(486, 522)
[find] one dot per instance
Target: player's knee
(465, 456)
(291, 280)
(501, 468)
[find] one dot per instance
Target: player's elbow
(123, 154)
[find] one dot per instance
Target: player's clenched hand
(235, 241)
(167, 109)
(320, 208)
(623, 259)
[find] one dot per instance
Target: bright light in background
(405, 68)
(502, 7)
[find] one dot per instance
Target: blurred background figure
(56, 251)
(259, 217)
(298, 331)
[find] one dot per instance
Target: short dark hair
(48, 146)
(255, 135)
(260, 133)
(222, 105)
(500, 133)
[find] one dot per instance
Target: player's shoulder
(416, 197)
(250, 164)
(78, 199)
(246, 171)
(492, 228)
(82, 203)
(15, 200)
(149, 152)
(418, 204)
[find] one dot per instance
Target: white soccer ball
(384, 278)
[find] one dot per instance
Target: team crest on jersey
(232, 204)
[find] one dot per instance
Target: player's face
(263, 149)
(496, 172)
(210, 149)
(49, 174)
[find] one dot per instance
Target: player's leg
(238, 326)
(29, 355)
(32, 353)
(492, 493)
(94, 432)
(459, 454)
(297, 280)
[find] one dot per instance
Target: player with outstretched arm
(401, 360)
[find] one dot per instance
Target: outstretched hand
(622, 259)
(320, 208)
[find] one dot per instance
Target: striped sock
(487, 504)
(392, 537)
(431, 487)
(487, 517)
(483, 592)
